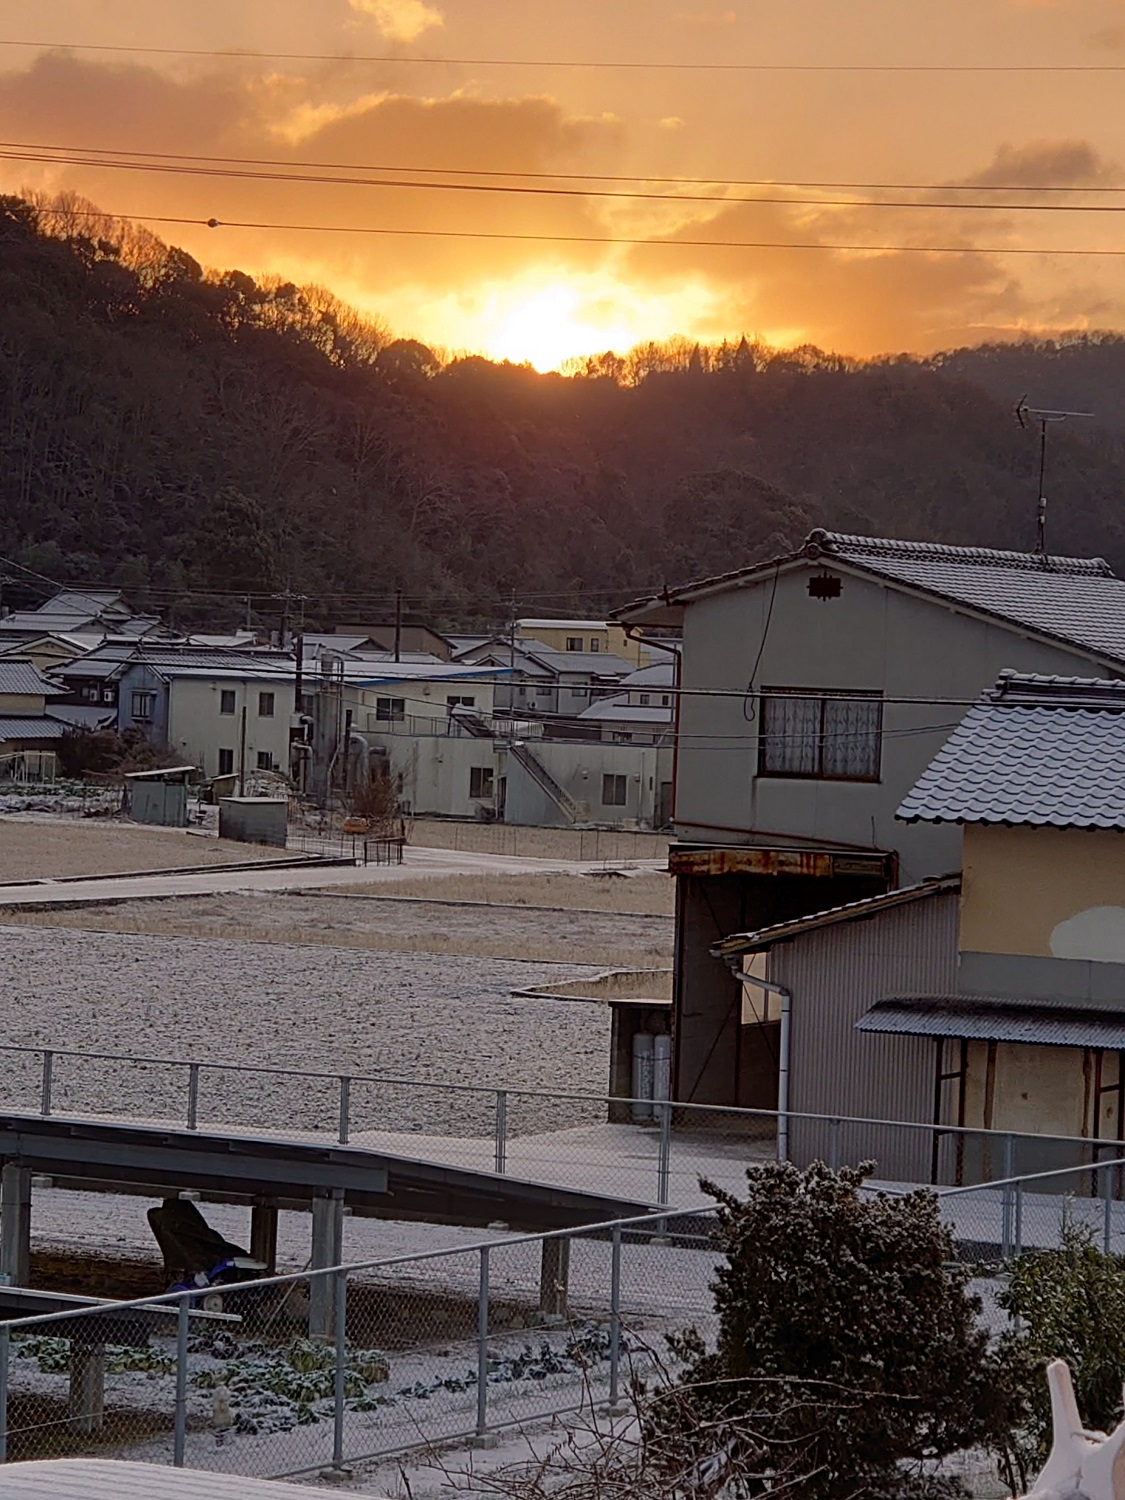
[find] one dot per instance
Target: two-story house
(814, 691)
(992, 1000)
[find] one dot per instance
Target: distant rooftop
(1077, 600)
(1044, 751)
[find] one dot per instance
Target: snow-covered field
(439, 1019)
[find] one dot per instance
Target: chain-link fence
(317, 1372)
(310, 1373)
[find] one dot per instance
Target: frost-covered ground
(438, 1019)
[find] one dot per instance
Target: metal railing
(571, 1139)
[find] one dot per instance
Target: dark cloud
(1067, 163)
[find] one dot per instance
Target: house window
(390, 710)
(226, 701)
(574, 643)
(456, 700)
(265, 705)
(481, 782)
(107, 694)
(226, 762)
(90, 694)
(265, 760)
(644, 700)
(827, 736)
(613, 791)
(143, 705)
(579, 694)
(595, 644)
(666, 700)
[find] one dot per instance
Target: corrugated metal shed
(833, 973)
(995, 1020)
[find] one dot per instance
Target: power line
(594, 64)
(584, 239)
(718, 180)
(195, 167)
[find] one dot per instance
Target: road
(418, 864)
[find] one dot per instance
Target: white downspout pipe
(783, 1050)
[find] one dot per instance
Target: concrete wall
(870, 638)
(1045, 892)
(436, 771)
(612, 639)
(254, 820)
(197, 729)
(21, 705)
(579, 769)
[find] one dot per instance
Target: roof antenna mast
(1025, 415)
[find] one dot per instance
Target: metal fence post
(1005, 1221)
(180, 1431)
(340, 1381)
(345, 1107)
(501, 1132)
(615, 1318)
(48, 1079)
(1107, 1209)
(664, 1156)
(5, 1354)
(834, 1127)
(193, 1095)
(1018, 1248)
(482, 1346)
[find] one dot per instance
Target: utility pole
(1024, 416)
(512, 667)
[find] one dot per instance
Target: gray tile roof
(30, 729)
(995, 1019)
(1045, 751)
(1077, 600)
(22, 678)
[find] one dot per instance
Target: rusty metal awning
(827, 864)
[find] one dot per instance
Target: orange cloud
(400, 20)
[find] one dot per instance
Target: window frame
(264, 761)
(482, 777)
(825, 697)
(263, 711)
(574, 643)
(620, 782)
(137, 703)
(390, 710)
(228, 754)
(228, 695)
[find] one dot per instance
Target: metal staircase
(524, 756)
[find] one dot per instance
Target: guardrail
(533, 1133)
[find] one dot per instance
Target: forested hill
(178, 433)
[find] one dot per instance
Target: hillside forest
(209, 442)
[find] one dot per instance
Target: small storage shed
(254, 820)
(159, 796)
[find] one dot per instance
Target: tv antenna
(1025, 415)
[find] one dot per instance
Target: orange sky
(547, 302)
